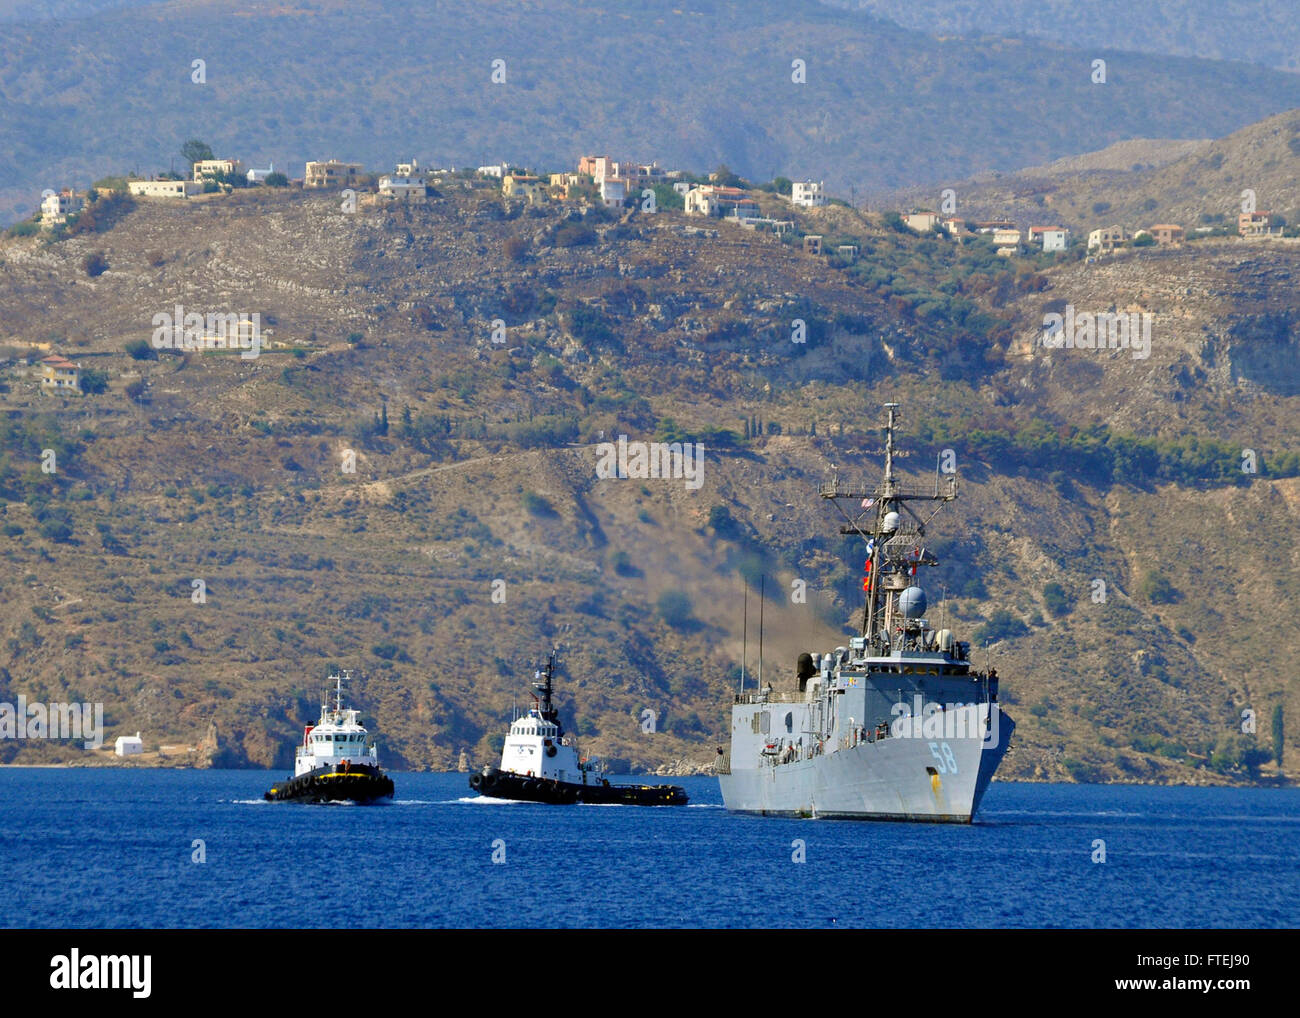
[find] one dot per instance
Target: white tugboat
(900, 724)
(539, 763)
(337, 760)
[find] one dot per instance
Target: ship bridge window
(789, 721)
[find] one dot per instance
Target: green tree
(675, 609)
(141, 350)
(1002, 625)
(93, 381)
(195, 151)
(276, 179)
(1057, 600)
(1279, 735)
(537, 505)
(1157, 589)
(725, 178)
(95, 264)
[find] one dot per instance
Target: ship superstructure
(899, 724)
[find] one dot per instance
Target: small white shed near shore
(128, 745)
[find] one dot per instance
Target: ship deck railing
(775, 696)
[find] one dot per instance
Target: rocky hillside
(474, 531)
(1137, 183)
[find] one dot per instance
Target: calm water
(113, 848)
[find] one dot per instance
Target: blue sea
(181, 848)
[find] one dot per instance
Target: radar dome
(911, 602)
(890, 523)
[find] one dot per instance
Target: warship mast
(889, 565)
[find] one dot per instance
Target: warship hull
(889, 779)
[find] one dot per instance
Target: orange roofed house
(58, 374)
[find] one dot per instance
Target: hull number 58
(942, 752)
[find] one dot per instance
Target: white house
(613, 191)
(407, 182)
(164, 188)
(128, 745)
(256, 176)
(715, 200)
(808, 193)
(1052, 238)
(55, 208)
(497, 170)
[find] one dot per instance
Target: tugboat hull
(498, 784)
(358, 784)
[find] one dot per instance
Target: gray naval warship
(898, 725)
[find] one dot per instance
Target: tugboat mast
(544, 705)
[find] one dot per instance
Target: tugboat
(539, 763)
(336, 762)
(898, 725)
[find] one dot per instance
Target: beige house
(640, 175)
(212, 167)
(921, 222)
(812, 244)
(164, 188)
(1255, 224)
(1167, 234)
(58, 374)
(331, 173)
(1006, 238)
(522, 185)
(1107, 238)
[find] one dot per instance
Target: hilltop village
(618, 187)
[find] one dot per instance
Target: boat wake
(487, 800)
